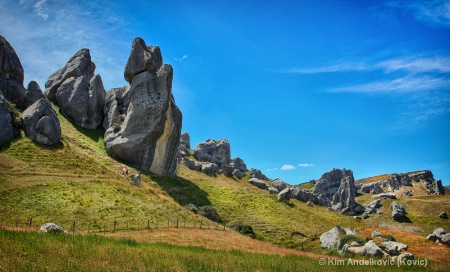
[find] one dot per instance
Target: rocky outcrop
(213, 151)
(258, 183)
(371, 188)
(338, 186)
(255, 173)
(238, 163)
(149, 135)
(77, 91)
(41, 124)
(6, 122)
(11, 74)
(116, 107)
(438, 188)
(439, 235)
(227, 170)
(33, 93)
(185, 140)
(398, 211)
(373, 206)
(305, 196)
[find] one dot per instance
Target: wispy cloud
(306, 165)
(342, 67)
(288, 167)
(182, 58)
(272, 169)
(416, 65)
(434, 12)
(39, 9)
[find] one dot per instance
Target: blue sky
(297, 87)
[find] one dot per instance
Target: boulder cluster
(439, 235)
(142, 121)
(38, 119)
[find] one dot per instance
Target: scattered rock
(408, 193)
(285, 195)
(310, 203)
(227, 170)
(210, 169)
(279, 184)
(149, 136)
(238, 174)
(305, 196)
(393, 248)
(136, 179)
(52, 228)
(398, 211)
(6, 122)
(331, 238)
(258, 183)
(185, 140)
(443, 215)
(41, 124)
(365, 216)
(386, 195)
(255, 173)
(376, 233)
(439, 235)
(405, 255)
(359, 208)
(432, 237)
(273, 190)
(238, 163)
(217, 152)
(373, 206)
(371, 249)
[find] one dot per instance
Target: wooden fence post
(148, 224)
(201, 224)
(177, 223)
(73, 228)
(115, 225)
(31, 222)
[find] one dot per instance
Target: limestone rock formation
(77, 91)
(443, 215)
(185, 140)
(11, 74)
(227, 170)
(6, 124)
(398, 211)
(339, 187)
(217, 152)
(238, 174)
(440, 235)
(273, 190)
(305, 196)
(238, 163)
(393, 248)
(33, 93)
(285, 195)
(52, 228)
(210, 169)
(149, 135)
(438, 188)
(116, 107)
(279, 184)
(255, 173)
(331, 238)
(41, 124)
(258, 183)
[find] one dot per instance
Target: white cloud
(306, 165)
(287, 167)
(417, 64)
(434, 12)
(182, 58)
(272, 169)
(39, 9)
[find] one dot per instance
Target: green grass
(20, 251)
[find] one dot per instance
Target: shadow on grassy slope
(182, 190)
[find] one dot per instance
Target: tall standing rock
(11, 74)
(149, 135)
(6, 125)
(33, 93)
(77, 91)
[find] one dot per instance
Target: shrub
(388, 237)
(209, 212)
(244, 229)
(191, 207)
(348, 238)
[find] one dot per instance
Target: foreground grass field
(21, 251)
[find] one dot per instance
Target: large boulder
(227, 170)
(255, 173)
(438, 188)
(279, 184)
(284, 195)
(33, 93)
(41, 124)
(332, 238)
(52, 228)
(372, 188)
(258, 183)
(116, 107)
(238, 163)
(149, 136)
(6, 122)
(371, 249)
(396, 181)
(338, 186)
(11, 74)
(79, 93)
(217, 152)
(185, 140)
(398, 211)
(238, 174)
(305, 196)
(393, 248)
(210, 169)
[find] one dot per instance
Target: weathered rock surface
(41, 124)
(273, 190)
(217, 152)
(149, 136)
(279, 184)
(116, 107)
(398, 211)
(371, 249)
(393, 248)
(210, 169)
(238, 174)
(185, 140)
(183, 151)
(33, 93)
(440, 235)
(79, 93)
(6, 124)
(385, 195)
(258, 183)
(136, 179)
(443, 215)
(52, 228)
(255, 173)
(142, 58)
(371, 188)
(373, 206)
(11, 74)
(238, 163)
(305, 196)
(438, 188)
(284, 195)
(332, 238)
(227, 170)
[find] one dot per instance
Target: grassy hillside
(77, 182)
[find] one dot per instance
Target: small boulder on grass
(52, 228)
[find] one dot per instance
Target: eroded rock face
(116, 107)
(6, 125)
(238, 163)
(258, 183)
(305, 196)
(41, 124)
(255, 173)
(398, 211)
(217, 152)
(149, 135)
(11, 74)
(185, 140)
(33, 93)
(77, 91)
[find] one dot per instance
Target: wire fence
(104, 226)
